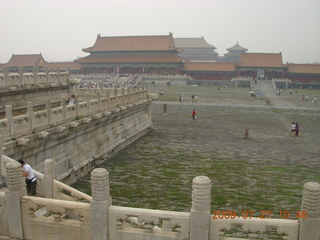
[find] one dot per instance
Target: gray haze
(60, 29)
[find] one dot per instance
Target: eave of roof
(210, 66)
(237, 47)
(131, 59)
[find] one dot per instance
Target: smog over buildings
(61, 29)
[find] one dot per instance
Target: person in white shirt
(72, 100)
(293, 130)
(31, 179)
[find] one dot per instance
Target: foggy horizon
(61, 29)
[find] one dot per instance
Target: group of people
(294, 130)
(194, 98)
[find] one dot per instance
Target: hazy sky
(60, 29)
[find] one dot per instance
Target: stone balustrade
(103, 102)
(33, 80)
(58, 217)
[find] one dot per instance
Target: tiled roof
(304, 68)
(210, 66)
(237, 47)
(163, 58)
(273, 60)
(133, 43)
(192, 43)
(63, 65)
(26, 60)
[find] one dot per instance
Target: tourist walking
(194, 114)
(246, 133)
(297, 130)
(196, 98)
(165, 112)
(293, 130)
(31, 179)
(192, 98)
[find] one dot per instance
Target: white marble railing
(18, 126)
(165, 77)
(47, 218)
(18, 81)
(124, 223)
(254, 228)
(54, 219)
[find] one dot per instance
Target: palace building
(304, 72)
(165, 55)
(27, 61)
(262, 65)
(196, 49)
(234, 53)
(132, 54)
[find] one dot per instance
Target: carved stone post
(101, 88)
(64, 107)
(116, 96)
(31, 114)
(88, 102)
(48, 178)
(129, 95)
(6, 76)
(99, 204)
(10, 119)
(310, 226)
(21, 71)
(200, 210)
(99, 101)
(108, 99)
(76, 99)
(122, 94)
(13, 199)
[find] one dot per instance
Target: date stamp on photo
(263, 214)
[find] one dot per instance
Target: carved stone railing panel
(4, 128)
(57, 115)
(13, 80)
(71, 112)
(21, 123)
(40, 119)
(61, 219)
(27, 80)
(83, 109)
(93, 106)
(53, 79)
(41, 79)
(169, 225)
(254, 228)
(64, 192)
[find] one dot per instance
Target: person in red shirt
(194, 114)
